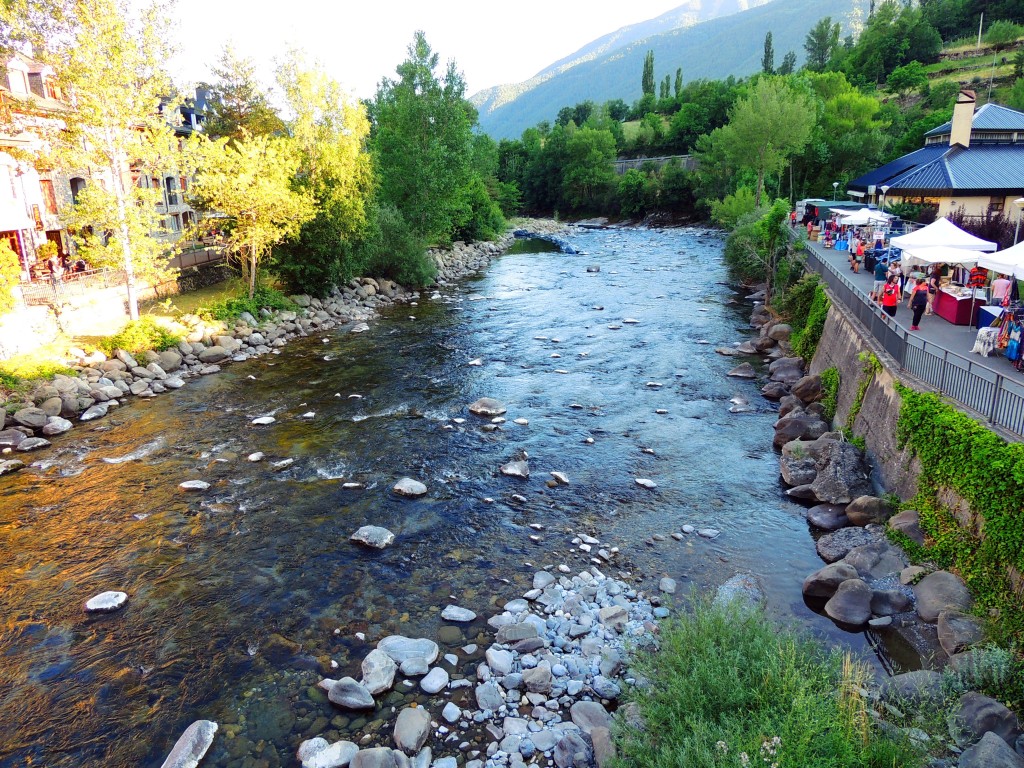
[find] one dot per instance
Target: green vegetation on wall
(959, 454)
(805, 306)
(830, 388)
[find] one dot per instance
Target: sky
(361, 41)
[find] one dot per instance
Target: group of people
(920, 290)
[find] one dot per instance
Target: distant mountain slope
(728, 45)
(688, 14)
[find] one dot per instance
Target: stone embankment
(101, 383)
(867, 582)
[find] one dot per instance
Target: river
(241, 596)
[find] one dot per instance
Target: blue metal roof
(989, 117)
(983, 169)
(898, 167)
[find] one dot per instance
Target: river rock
(487, 407)
(876, 559)
(842, 476)
(798, 471)
(10, 438)
(106, 602)
(604, 747)
(32, 444)
(194, 485)
(774, 390)
(836, 545)
(214, 354)
(990, 752)
(457, 614)
(262, 421)
(318, 753)
(410, 488)
(33, 418)
(489, 696)
(538, 679)
(436, 680)
(798, 426)
(825, 581)
(55, 425)
(378, 757)
(808, 388)
(402, 648)
(516, 469)
(851, 604)
(10, 465)
(743, 588)
(192, 745)
(743, 371)
(914, 688)
(908, 523)
(941, 591)
(379, 671)
(977, 714)
(169, 360)
(887, 602)
(373, 536)
(828, 517)
(349, 694)
(865, 510)
(958, 631)
(411, 729)
(588, 715)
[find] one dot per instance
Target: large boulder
(876, 559)
(836, 545)
(373, 536)
(33, 418)
(797, 471)
(170, 360)
(349, 694)
(588, 715)
(990, 752)
(10, 438)
(808, 389)
(799, 426)
(851, 604)
(958, 631)
(774, 390)
(402, 648)
(976, 715)
(865, 510)
(411, 729)
(922, 686)
(214, 354)
(842, 476)
(908, 522)
(886, 602)
(941, 591)
(487, 407)
(828, 517)
(825, 581)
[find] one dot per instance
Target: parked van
(803, 207)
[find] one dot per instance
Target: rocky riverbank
(100, 384)
(868, 583)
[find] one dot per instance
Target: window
(77, 185)
(49, 196)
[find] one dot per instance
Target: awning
(941, 254)
(1007, 262)
(942, 233)
(864, 216)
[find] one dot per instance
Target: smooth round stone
(661, 612)
(451, 712)
(435, 681)
(415, 667)
(33, 444)
(258, 456)
(373, 536)
(488, 407)
(194, 485)
(643, 482)
(455, 613)
(521, 422)
(410, 488)
(262, 421)
(106, 602)
(709, 533)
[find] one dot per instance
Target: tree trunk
(760, 186)
(122, 221)
(252, 272)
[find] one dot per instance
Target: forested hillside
(729, 45)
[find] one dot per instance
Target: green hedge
(138, 336)
(958, 453)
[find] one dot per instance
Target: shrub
(138, 336)
(830, 388)
(631, 193)
(478, 216)
(1002, 33)
(805, 341)
(20, 373)
(995, 672)
(727, 683)
(728, 212)
(392, 249)
(10, 276)
(263, 297)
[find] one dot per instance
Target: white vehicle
(802, 205)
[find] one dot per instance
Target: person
(859, 256)
(934, 281)
(881, 272)
(1000, 288)
(53, 264)
(918, 302)
(792, 219)
(890, 296)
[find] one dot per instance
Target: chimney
(963, 116)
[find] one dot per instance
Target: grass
(727, 684)
(21, 373)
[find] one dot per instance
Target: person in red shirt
(890, 295)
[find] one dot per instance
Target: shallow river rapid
(241, 596)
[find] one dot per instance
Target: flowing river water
(240, 597)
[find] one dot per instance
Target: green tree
(647, 81)
(1018, 64)
(249, 182)
(820, 43)
(422, 141)
(788, 65)
(766, 126)
(588, 168)
(1016, 96)
(616, 109)
(728, 212)
(329, 129)
(768, 58)
(631, 193)
(908, 78)
(35, 22)
(664, 88)
(237, 104)
(10, 276)
(679, 82)
(1002, 33)
(112, 61)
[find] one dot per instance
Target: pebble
(643, 482)
(263, 420)
(194, 485)
(106, 602)
(254, 457)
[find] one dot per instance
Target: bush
(729, 211)
(478, 217)
(391, 249)
(138, 336)
(264, 297)
(805, 341)
(10, 276)
(1002, 33)
(995, 672)
(19, 374)
(830, 388)
(726, 683)
(631, 193)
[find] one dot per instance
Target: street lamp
(885, 189)
(1019, 202)
(835, 186)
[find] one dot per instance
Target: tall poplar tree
(647, 81)
(112, 62)
(679, 82)
(768, 58)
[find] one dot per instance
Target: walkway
(939, 354)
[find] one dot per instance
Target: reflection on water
(242, 596)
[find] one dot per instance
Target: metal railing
(995, 397)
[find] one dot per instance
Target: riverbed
(242, 596)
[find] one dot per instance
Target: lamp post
(835, 187)
(1019, 202)
(885, 189)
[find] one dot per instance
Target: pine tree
(788, 65)
(647, 83)
(768, 59)
(679, 82)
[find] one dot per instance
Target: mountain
(610, 67)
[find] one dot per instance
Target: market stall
(942, 233)
(957, 304)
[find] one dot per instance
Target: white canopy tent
(942, 233)
(941, 254)
(1006, 262)
(864, 216)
